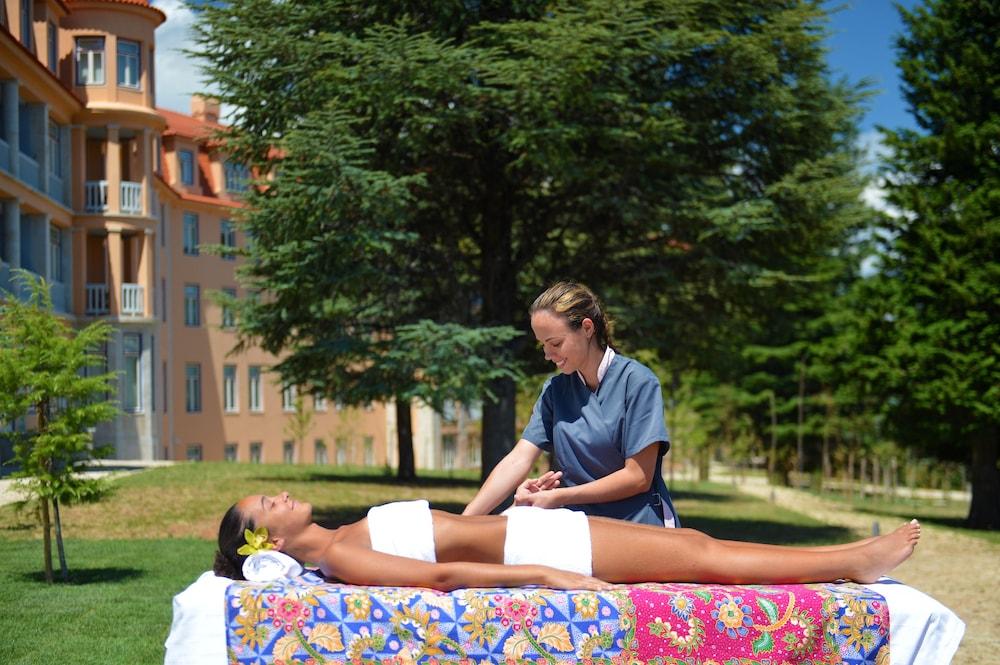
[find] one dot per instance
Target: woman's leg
(624, 552)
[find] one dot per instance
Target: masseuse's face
(565, 347)
(281, 514)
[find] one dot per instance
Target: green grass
(131, 553)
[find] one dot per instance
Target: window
(230, 396)
(165, 393)
(237, 176)
(90, 61)
(55, 254)
(194, 452)
(227, 238)
(191, 234)
(288, 394)
(256, 403)
(192, 387)
(341, 451)
(26, 23)
(288, 452)
(128, 63)
(255, 456)
(448, 449)
(228, 315)
(132, 376)
(319, 403)
(55, 150)
(320, 452)
(186, 158)
(192, 305)
(231, 452)
(369, 445)
(53, 39)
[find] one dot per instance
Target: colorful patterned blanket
(304, 621)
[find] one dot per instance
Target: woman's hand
(564, 579)
(544, 499)
(547, 481)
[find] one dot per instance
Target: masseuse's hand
(546, 481)
(544, 499)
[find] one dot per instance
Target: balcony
(95, 195)
(132, 304)
(131, 197)
(97, 300)
(98, 304)
(29, 171)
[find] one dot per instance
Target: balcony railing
(95, 196)
(132, 304)
(97, 299)
(29, 170)
(131, 199)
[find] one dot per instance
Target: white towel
(403, 528)
(270, 565)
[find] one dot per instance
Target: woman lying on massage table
(407, 544)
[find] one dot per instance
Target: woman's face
(281, 514)
(565, 347)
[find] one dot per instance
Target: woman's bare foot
(884, 553)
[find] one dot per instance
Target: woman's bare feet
(884, 553)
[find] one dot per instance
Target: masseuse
(601, 416)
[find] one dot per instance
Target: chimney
(205, 109)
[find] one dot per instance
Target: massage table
(306, 621)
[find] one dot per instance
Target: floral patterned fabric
(304, 621)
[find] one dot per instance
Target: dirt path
(959, 571)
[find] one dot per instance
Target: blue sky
(863, 46)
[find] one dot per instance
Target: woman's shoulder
(633, 370)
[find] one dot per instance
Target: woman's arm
(507, 475)
(634, 478)
(362, 566)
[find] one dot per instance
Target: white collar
(602, 369)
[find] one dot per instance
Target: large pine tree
(934, 311)
(447, 160)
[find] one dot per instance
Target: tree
(932, 314)
(444, 162)
(44, 367)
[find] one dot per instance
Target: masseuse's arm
(634, 478)
(507, 475)
(362, 566)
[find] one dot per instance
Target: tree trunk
(772, 458)
(984, 511)
(63, 568)
(498, 286)
(800, 453)
(498, 424)
(404, 440)
(46, 539)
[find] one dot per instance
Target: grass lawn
(131, 553)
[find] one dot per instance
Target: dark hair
(227, 562)
(575, 302)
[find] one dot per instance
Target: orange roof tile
(187, 126)
(138, 3)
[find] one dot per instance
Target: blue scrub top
(592, 433)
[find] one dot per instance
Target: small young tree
(42, 369)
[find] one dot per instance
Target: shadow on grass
(83, 576)
(696, 495)
(766, 531)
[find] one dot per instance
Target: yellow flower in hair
(256, 541)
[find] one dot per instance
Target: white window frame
(90, 61)
(134, 59)
(254, 386)
(132, 357)
(228, 316)
(185, 159)
(230, 389)
(192, 305)
(227, 238)
(192, 388)
(288, 395)
(191, 234)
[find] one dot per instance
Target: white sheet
(922, 631)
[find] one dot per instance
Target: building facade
(112, 200)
